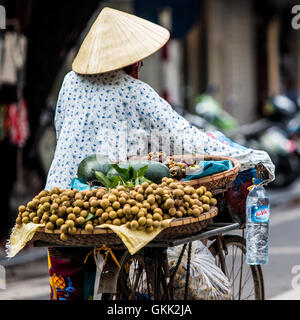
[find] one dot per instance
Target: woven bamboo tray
(213, 182)
(179, 227)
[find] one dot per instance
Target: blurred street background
(231, 66)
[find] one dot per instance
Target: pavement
(25, 277)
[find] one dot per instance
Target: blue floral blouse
(119, 116)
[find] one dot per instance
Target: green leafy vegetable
(127, 177)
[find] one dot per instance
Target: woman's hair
(133, 69)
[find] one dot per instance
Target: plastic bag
(206, 280)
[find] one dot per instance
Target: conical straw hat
(116, 40)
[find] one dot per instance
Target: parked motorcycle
(274, 133)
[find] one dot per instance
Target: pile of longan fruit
(145, 207)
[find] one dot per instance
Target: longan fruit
(104, 203)
(89, 193)
(213, 201)
(208, 194)
(45, 218)
(206, 207)
(70, 210)
(78, 196)
(79, 221)
(199, 191)
(84, 213)
(116, 205)
(134, 224)
(151, 199)
(22, 208)
(64, 228)
(139, 197)
(145, 185)
(35, 220)
(156, 224)
(63, 198)
(94, 203)
(128, 224)
(179, 214)
(146, 204)
(120, 213)
(169, 180)
(109, 209)
(122, 200)
(123, 220)
(25, 214)
(39, 213)
(166, 216)
(64, 237)
(149, 229)
(70, 223)
(172, 211)
(149, 190)
(135, 210)
(169, 203)
(142, 221)
(157, 216)
(53, 218)
(149, 222)
(158, 210)
(54, 206)
(76, 210)
(141, 214)
(164, 224)
(159, 191)
(49, 225)
(72, 230)
(99, 212)
(204, 189)
(66, 203)
(127, 209)
(62, 210)
(108, 221)
(173, 185)
(117, 222)
(154, 206)
(178, 193)
(149, 216)
(59, 222)
(205, 199)
(114, 192)
(196, 212)
(35, 203)
(72, 216)
(19, 220)
(86, 205)
(93, 210)
(100, 193)
(131, 202)
(89, 228)
(112, 198)
(112, 215)
(46, 205)
(78, 203)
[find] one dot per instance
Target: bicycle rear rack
(211, 230)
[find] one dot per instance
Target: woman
(103, 108)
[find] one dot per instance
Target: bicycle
(146, 275)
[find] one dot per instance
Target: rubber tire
(257, 276)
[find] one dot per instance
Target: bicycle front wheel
(246, 281)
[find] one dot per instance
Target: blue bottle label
(260, 213)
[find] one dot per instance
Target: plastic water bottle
(257, 224)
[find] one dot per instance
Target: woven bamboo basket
(178, 227)
(213, 182)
